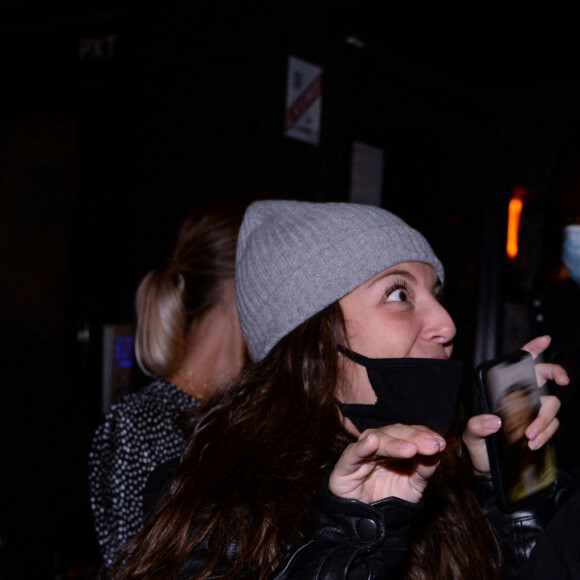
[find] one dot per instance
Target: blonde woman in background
(189, 339)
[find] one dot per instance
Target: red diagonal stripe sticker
(303, 102)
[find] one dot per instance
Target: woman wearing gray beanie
(337, 453)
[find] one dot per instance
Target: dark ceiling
(509, 44)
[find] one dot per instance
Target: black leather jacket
(518, 532)
(349, 540)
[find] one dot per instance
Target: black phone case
(494, 442)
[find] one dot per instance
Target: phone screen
(512, 393)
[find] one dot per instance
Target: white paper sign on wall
(366, 174)
(303, 101)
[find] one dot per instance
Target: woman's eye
(397, 295)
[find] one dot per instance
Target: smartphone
(507, 387)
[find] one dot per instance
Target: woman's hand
(396, 460)
(538, 432)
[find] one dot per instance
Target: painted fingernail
(493, 423)
(532, 434)
(431, 442)
(533, 445)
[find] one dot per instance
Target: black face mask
(412, 391)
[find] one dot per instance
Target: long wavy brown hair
(259, 452)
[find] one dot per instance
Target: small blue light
(124, 352)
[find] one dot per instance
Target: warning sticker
(303, 101)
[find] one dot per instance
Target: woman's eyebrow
(401, 272)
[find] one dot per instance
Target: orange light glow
(513, 229)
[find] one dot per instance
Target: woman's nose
(439, 326)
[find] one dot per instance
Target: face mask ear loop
(357, 358)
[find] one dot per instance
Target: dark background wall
(116, 119)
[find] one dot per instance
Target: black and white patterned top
(136, 435)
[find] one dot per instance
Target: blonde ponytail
(173, 296)
(161, 322)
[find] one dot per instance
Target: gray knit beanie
(296, 258)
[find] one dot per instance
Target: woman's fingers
(543, 427)
(551, 372)
(424, 471)
(394, 460)
(394, 442)
(545, 371)
(538, 432)
(537, 345)
(476, 430)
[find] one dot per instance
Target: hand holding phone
(507, 387)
